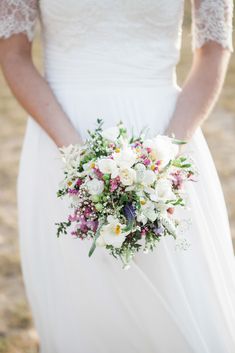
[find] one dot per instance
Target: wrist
(66, 140)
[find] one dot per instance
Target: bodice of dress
(122, 41)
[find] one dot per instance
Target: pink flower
(98, 173)
(170, 210)
(144, 231)
(79, 182)
(73, 218)
(177, 180)
(149, 149)
(146, 161)
(114, 183)
(93, 225)
(73, 191)
(87, 212)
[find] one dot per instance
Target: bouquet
(124, 191)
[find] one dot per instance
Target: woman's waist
(136, 105)
(97, 73)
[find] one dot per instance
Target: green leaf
(93, 246)
(129, 226)
(187, 165)
(124, 198)
(179, 142)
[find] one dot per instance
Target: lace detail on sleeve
(212, 20)
(18, 16)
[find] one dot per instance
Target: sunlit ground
(16, 332)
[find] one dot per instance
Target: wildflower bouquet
(123, 190)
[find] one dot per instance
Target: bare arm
(200, 90)
(33, 92)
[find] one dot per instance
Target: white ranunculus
(125, 158)
(95, 186)
(127, 176)
(162, 148)
(149, 177)
(163, 191)
(111, 233)
(111, 133)
(108, 166)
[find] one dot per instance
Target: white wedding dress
(115, 59)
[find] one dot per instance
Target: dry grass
(16, 330)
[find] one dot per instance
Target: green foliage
(62, 228)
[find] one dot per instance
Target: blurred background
(17, 334)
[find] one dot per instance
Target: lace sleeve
(212, 20)
(18, 16)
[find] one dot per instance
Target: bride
(116, 59)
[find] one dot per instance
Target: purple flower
(129, 212)
(73, 191)
(93, 225)
(158, 230)
(87, 212)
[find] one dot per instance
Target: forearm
(199, 92)
(37, 98)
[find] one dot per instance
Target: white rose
(163, 191)
(95, 186)
(125, 158)
(127, 176)
(111, 133)
(162, 148)
(108, 166)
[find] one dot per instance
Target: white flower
(95, 186)
(163, 191)
(111, 133)
(71, 158)
(140, 170)
(111, 233)
(149, 177)
(148, 210)
(108, 166)
(127, 176)
(142, 218)
(125, 158)
(162, 148)
(88, 166)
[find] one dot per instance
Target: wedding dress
(115, 60)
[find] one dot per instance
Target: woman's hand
(32, 90)
(200, 90)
